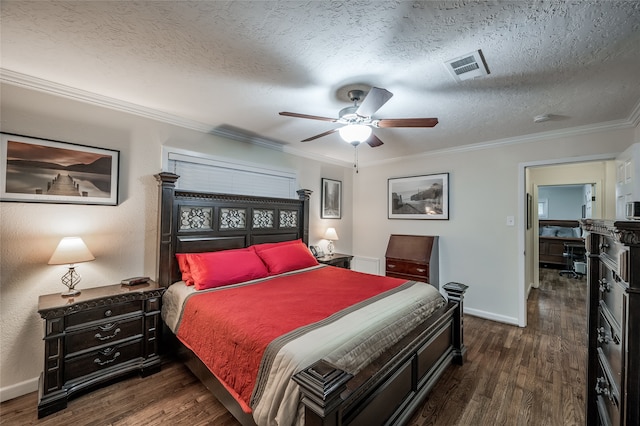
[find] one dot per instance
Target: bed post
(167, 188)
(304, 195)
(455, 293)
(321, 385)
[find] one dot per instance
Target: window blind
(227, 177)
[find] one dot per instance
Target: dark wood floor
(513, 376)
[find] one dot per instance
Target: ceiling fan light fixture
(355, 133)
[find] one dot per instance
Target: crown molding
(534, 137)
(34, 83)
(22, 80)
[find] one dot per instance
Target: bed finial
(305, 195)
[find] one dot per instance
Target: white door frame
(522, 220)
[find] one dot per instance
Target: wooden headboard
(564, 223)
(191, 222)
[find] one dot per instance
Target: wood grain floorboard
(513, 376)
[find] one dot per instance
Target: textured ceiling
(236, 64)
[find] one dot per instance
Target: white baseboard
(19, 389)
(491, 316)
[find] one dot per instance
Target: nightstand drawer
(94, 361)
(410, 268)
(103, 312)
(102, 334)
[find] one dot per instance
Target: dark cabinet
(413, 257)
(101, 334)
(337, 259)
(613, 363)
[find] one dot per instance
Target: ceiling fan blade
(373, 141)
(373, 101)
(319, 136)
(312, 117)
(407, 122)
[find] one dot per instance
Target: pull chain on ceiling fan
(358, 122)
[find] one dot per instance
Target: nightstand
(337, 259)
(101, 334)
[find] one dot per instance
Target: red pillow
(220, 268)
(287, 257)
(266, 246)
(184, 268)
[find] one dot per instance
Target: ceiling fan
(358, 121)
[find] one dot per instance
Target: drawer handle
(602, 336)
(108, 313)
(108, 326)
(604, 246)
(605, 286)
(421, 270)
(602, 388)
(391, 266)
(109, 361)
(100, 337)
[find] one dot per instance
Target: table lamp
(332, 236)
(71, 250)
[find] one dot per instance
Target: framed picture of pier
(419, 197)
(47, 171)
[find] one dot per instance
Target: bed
(553, 235)
(354, 378)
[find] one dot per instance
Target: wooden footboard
(390, 389)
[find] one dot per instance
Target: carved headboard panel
(192, 221)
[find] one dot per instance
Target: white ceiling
(236, 64)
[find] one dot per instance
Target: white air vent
(471, 65)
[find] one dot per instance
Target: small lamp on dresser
(71, 250)
(332, 236)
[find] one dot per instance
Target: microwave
(633, 210)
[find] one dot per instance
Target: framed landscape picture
(331, 199)
(47, 171)
(419, 197)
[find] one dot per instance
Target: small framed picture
(331, 199)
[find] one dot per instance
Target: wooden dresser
(413, 257)
(613, 365)
(94, 337)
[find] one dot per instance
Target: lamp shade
(71, 250)
(331, 234)
(355, 133)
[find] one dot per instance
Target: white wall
(122, 238)
(476, 246)
(564, 202)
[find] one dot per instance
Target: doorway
(598, 171)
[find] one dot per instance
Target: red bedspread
(230, 328)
